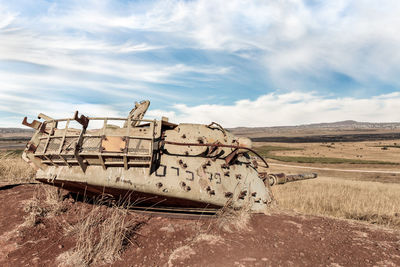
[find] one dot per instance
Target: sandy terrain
(278, 239)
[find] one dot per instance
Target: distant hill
(340, 127)
(333, 128)
(15, 132)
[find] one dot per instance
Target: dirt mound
(276, 239)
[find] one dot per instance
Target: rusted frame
(63, 137)
(100, 154)
(153, 125)
(78, 145)
(115, 119)
(62, 144)
(49, 136)
(80, 158)
(128, 131)
(50, 160)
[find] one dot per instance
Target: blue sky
(255, 63)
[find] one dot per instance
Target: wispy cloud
(288, 109)
(110, 53)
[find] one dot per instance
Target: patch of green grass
(328, 160)
(266, 151)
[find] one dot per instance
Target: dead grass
(102, 231)
(14, 169)
(47, 201)
(102, 235)
(232, 219)
(372, 202)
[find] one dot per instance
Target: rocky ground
(278, 239)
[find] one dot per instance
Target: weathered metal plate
(113, 144)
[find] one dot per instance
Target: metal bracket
(35, 124)
(45, 117)
(31, 147)
(82, 119)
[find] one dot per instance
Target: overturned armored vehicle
(154, 162)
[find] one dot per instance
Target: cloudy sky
(254, 63)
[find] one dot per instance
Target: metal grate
(139, 159)
(54, 144)
(69, 145)
(139, 146)
(91, 144)
(41, 146)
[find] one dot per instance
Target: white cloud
(358, 38)
(288, 109)
(267, 110)
(130, 44)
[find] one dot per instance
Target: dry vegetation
(14, 169)
(46, 202)
(230, 219)
(101, 231)
(101, 235)
(372, 202)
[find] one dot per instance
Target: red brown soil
(278, 239)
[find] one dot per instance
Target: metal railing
(71, 146)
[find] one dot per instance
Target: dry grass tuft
(47, 201)
(232, 219)
(35, 211)
(372, 202)
(14, 169)
(102, 235)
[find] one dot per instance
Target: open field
(368, 152)
(357, 180)
(373, 202)
(348, 216)
(335, 129)
(311, 153)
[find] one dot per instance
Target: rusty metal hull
(190, 185)
(181, 165)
